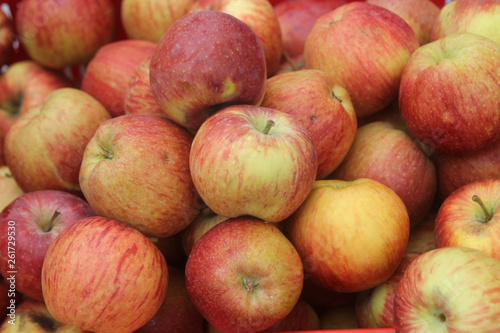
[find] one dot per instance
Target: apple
(480, 17)
(28, 226)
(451, 289)
(385, 152)
(297, 18)
(338, 317)
(135, 169)
(206, 60)
(44, 147)
(244, 275)
(8, 187)
(419, 14)
(260, 16)
(252, 160)
(375, 307)
(109, 72)
(422, 235)
(365, 49)
(110, 276)
(6, 38)
(351, 235)
(469, 218)
(138, 95)
(149, 19)
(458, 69)
(57, 33)
(290, 64)
(323, 106)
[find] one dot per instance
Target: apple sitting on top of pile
(196, 179)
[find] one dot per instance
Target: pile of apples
(250, 165)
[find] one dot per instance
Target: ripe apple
(135, 169)
(149, 19)
(34, 220)
(458, 69)
(205, 61)
(44, 147)
(351, 236)
(385, 152)
(244, 275)
(258, 15)
(451, 289)
(322, 106)
(57, 33)
(8, 187)
(338, 317)
(108, 73)
(365, 48)
(110, 276)
(419, 14)
(480, 17)
(6, 38)
(252, 160)
(422, 235)
(469, 218)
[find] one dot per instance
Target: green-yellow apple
(422, 235)
(244, 275)
(6, 38)
(322, 106)
(452, 289)
(44, 147)
(462, 69)
(252, 160)
(8, 187)
(103, 276)
(470, 216)
(365, 48)
(352, 235)
(57, 33)
(480, 17)
(135, 169)
(206, 60)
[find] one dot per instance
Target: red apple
(365, 48)
(101, 275)
(6, 38)
(458, 69)
(135, 169)
(108, 74)
(244, 275)
(251, 160)
(8, 187)
(422, 236)
(44, 147)
(322, 106)
(27, 228)
(205, 61)
(65, 33)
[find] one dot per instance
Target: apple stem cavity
(48, 226)
(250, 285)
(290, 61)
(480, 202)
(270, 124)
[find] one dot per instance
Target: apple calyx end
(488, 216)
(270, 124)
(250, 285)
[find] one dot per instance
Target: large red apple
(103, 276)
(244, 275)
(205, 61)
(65, 33)
(6, 38)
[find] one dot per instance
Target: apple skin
(481, 17)
(322, 106)
(205, 221)
(6, 38)
(161, 200)
(149, 19)
(111, 276)
(39, 217)
(8, 187)
(419, 14)
(108, 73)
(385, 152)
(205, 61)
(458, 68)
(244, 275)
(260, 16)
(44, 147)
(57, 33)
(422, 236)
(365, 51)
(462, 222)
(451, 289)
(238, 169)
(297, 18)
(335, 213)
(303, 317)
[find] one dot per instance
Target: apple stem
(485, 210)
(48, 226)
(268, 127)
(290, 61)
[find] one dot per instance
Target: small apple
(6, 38)
(8, 187)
